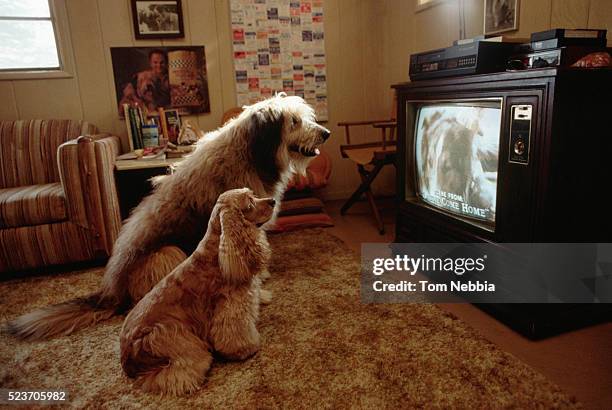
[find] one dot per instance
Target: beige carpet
(321, 348)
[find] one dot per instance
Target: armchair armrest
(86, 167)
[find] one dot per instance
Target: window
(31, 41)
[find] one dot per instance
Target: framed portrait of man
(161, 77)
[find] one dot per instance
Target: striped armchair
(58, 202)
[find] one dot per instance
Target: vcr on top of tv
(477, 57)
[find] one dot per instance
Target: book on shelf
(128, 126)
(166, 124)
(163, 123)
(135, 123)
(173, 124)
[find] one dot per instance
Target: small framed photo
(500, 16)
(157, 19)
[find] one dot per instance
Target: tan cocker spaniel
(209, 303)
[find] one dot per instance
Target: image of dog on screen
(457, 157)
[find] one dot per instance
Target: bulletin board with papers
(278, 46)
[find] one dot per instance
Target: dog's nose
(271, 202)
(326, 134)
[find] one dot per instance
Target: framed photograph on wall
(500, 16)
(161, 77)
(157, 19)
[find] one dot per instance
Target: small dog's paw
(265, 296)
(264, 275)
(241, 354)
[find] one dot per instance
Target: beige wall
(353, 53)
(368, 43)
(408, 31)
(97, 25)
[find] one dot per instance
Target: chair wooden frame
(371, 154)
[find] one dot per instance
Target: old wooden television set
(508, 157)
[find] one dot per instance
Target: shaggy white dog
(260, 149)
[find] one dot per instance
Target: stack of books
(135, 118)
(146, 130)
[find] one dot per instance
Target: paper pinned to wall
(279, 46)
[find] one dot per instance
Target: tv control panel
(520, 133)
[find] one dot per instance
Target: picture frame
(157, 19)
(500, 16)
(168, 77)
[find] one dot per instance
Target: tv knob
(519, 146)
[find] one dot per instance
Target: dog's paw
(265, 296)
(264, 275)
(241, 354)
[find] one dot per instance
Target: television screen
(457, 149)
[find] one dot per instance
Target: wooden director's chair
(370, 158)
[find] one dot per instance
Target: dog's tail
(62, 319)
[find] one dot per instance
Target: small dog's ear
(265, 136)
(240, 256)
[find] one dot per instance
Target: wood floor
(580, 362)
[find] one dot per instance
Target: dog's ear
(240, 254)
(265, 136)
